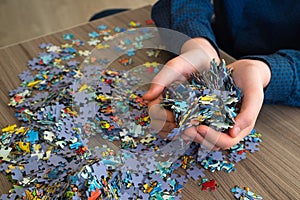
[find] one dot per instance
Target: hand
(251, 76)
(195, 56)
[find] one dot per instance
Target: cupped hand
(251, 76)
(195, 56)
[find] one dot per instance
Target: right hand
(196, 56)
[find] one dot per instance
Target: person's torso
(248, 27)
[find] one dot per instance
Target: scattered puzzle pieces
(195, 173)
(245, 193)
(63, 104)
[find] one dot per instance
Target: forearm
(192, 18)
(201, 43)
(198, 52)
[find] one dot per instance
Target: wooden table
(273, 172)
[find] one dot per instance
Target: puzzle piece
(94, 34)
(217, 155)
(210, 164)
(56, 160)
(26, 76)
(99, 170)
(68, 36)
(237, 157)
(228, 167)
(148, 139)
(208, 184)
(245, 193)
(251, 146)
(195, 173)
(32, 136)
(9, 128)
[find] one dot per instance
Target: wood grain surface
(273, 172)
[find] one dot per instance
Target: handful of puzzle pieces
(50, 156)
(211, 98)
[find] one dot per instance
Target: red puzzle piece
(212, 184)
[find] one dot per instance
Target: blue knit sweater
(266, 30)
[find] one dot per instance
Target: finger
(157, 112)
(191, 134)
(197, 59)
(222, 140)
(251, 105)
(163, 134)
(245, 121)
(173, 71)
(164, 126)
(154, 91)
(205, 52)
(216, 138)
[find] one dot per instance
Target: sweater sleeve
(284, 87)
(190, 17)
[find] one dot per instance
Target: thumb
(243, 121)
(251, 105)
(170, 73)
(154, 92)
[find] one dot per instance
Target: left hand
(195, 56)
(251, 76)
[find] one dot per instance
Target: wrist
(251, 73)
(263, 70)
(196, 54)
(201, 44)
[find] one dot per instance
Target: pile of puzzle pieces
(213, 99)
(60, 113)
(245, 194)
